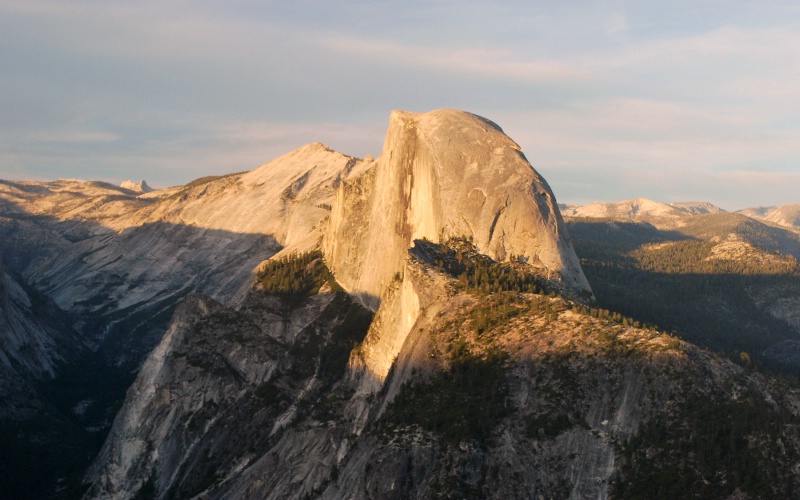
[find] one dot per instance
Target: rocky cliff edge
(445, 174)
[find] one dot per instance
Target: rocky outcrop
(445, 174)
(221, 388)
(174, 399)
(698, 207)
(553, 400)
(137, 187)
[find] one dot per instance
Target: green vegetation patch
(464, 402)
(696, 257)
(714, 448)
(476, 273)
(495, 311)
(297, 276)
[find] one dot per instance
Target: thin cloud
(497, 64)
(76, 136)
(176, 90)
(756, 45)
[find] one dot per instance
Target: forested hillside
(733, 294)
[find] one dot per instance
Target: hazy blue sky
(672, 100)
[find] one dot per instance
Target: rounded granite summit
(444, 174)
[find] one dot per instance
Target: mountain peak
(631, 209)
(757, 212)
(139, 187)
(315, 146)
(433, 119)
(445, 174)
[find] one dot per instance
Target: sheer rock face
(444, 174)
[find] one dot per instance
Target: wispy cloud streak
(616, 93)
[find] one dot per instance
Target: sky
(669, 100)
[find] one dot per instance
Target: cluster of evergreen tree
(609, 316)
(498, 308)
(297, 276)
(479, 274)
(696, 257)
(464, 402)
(705, 452)
(499, 285)
(495, 310)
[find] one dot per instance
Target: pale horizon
(671, 102)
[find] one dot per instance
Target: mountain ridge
(787, 215)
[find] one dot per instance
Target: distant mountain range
(643, 209)
(668, 263)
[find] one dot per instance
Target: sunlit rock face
(443, 174)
